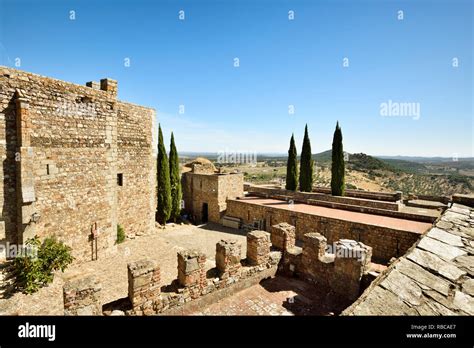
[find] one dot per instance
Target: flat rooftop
(340, 214)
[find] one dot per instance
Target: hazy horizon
(281, 154)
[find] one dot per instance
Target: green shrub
(35, 271)
(120, 234)
(351, 186)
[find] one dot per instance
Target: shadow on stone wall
(9, 208)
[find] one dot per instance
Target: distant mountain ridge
(430, 176)
(326, 156)
(425, 159)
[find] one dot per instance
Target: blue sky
(282, 62)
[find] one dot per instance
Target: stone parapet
(467, 200)
(339, 268)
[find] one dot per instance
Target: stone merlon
(109, 86)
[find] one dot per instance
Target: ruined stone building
(206, 190)
(75, 160)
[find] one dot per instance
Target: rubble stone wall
(338, 270)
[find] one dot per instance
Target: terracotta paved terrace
(364, 218)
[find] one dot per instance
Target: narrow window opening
(47, 169)
(120, 179)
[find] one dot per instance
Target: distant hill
(357, 161)
(363, 162)
(325, 156)
(366, 172)
(406, 166)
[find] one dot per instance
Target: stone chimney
(109, 85)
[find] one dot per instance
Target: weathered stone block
(191, 268)
(81, 296)
(283, 236)
(228, 254)
(141, 267)
(314, 244)
(351, 262)
(258, 247)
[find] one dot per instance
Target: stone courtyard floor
(162, 245)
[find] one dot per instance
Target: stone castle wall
(386, 242)
(136, 162)
(62, 146)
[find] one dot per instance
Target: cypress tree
(164, 189)
(337, 167)
(292, 167)
(306, 164)
(175, 181)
